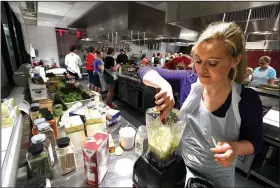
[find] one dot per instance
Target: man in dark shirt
(157, 60)
(122, 57)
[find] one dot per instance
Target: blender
(160, 166)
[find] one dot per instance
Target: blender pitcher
(164, 139)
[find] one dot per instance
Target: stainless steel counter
(118, 175)
(129, 77)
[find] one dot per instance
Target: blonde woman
(224, 119)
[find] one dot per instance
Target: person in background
(89, 66)
(110, 76)
(167, 57)
(179, 63)
(264, 74)
(144, 61)
(73, 63)
(98, 79)
(157, 60)
(224, 119)
(122, 57)
(162, 61)
(153, 59)
(248, 75)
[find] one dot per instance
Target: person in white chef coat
(73, 63)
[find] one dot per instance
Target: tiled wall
(43, 39)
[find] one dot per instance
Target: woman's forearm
(271, 81)
(243, 147)
(153, 79)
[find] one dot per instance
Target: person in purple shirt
(224, 119)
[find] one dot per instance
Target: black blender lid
(35, 149)
(36, 182)
(63, 142)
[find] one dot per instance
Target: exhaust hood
(198, 15)
(123, 17)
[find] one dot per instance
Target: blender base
(146, 174)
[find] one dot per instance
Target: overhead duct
(198, 15)
(29, 10)
(123, 17)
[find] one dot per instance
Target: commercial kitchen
(57, 131)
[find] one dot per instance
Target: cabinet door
(133, 96)
(123, 92)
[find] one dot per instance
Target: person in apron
(264, 74)
(218, 120)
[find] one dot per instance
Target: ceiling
(53, 14)
(63, 13)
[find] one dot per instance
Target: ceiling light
(52, 11)
(47, 22)
(101, 29)
(188, 34)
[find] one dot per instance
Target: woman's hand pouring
(224, 153)
(164, 99)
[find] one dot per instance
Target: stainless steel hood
(197, 15)
(124, 17)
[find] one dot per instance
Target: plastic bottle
(141, 141)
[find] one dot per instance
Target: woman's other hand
(224, 153)
(164, 99)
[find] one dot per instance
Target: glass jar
(34, 111)
(36, 123)
(45, 128)
(52, 122)
(38, 161)
(66, 156)
(41, 138)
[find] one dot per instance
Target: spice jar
(38, 161)
(45, 128)
(36, 123)
(66, 156)
(36, 182)
(52, 123)
(41, 138)
(34, 111)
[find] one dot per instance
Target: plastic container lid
(34, 107)
(39, 121)
(63, 142)
(43, 126)
(35, 149)
(36, 182)
(36, 75)
(39, 138)
(34, 104)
